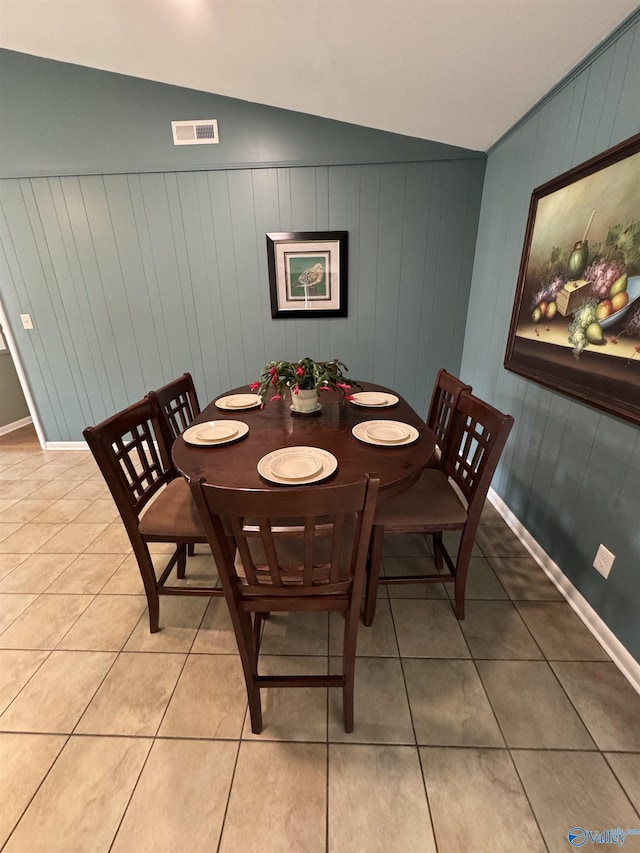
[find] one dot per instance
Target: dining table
(271, 427)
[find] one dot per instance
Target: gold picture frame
(575, 324)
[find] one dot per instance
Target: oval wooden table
(273, 427)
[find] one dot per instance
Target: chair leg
(437, 551)
(459, 600)
(465, 549)
(462, 567)
(153, 605)
(349, 665)
(148, 575)
(249, 657)
(257, 625)
(373, 573)
(182, 561)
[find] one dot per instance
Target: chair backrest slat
(242, 544)
(444, 399)
(309, 542)
(177, 406)
(282, 553)
(337, 546)
(124, 447)
(270, 550)
(478, 435)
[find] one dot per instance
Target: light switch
(26, 321)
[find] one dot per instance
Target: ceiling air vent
(195, 132)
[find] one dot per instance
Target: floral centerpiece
(301, 377)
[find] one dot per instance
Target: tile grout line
(35, 793)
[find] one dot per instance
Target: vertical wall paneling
(139, 261)
(12, 305)
(190, 345)
(58, 277)
(628, 100)
(25, 264)
(335, 345)
(81, 204)
(570, 472)
(431, 276)
(304, 333)
(369, 236)
(322, 224)
(225, 253)
(149, 293)
(133, 279)
(196, 285)
(390, 231)
(112, 291)
(466, 251)
(245, 238)
(409, 379)
(267, 220)
(353, 205)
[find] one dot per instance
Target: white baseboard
(66, 445)
(23, 422)
(625, 662)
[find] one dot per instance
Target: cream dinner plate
(213, 433)
(239, 401)
(374, 399)
(388, 431)
(385, 433)
(296, 466)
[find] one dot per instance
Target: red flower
(274, 379)
(254, 386)
(324, 388)
(277, 397)
(272, 370)
(299, 370)
(349, 397)
(296, 388)
(343, 386)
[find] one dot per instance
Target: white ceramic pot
(304, 401)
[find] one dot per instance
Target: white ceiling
(454, 71)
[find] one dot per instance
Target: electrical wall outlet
(603, 561)
(27, 323)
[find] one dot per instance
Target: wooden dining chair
(444, 400)
(177, 406)
(315, 562)
(434, 505)
(154, 504)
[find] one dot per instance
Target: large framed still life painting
(575, 325)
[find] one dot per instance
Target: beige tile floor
(499, 733)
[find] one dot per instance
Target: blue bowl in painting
(633, 289)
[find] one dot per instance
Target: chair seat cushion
(173, 515)
(430, 505)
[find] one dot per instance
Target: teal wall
(570, 472)
(139, 260)
(62, 119)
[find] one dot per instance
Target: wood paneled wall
(570, 472)
(132, 279)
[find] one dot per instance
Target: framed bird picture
(307, 273)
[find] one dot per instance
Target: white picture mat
(313, 249)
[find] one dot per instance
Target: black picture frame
(582, 242)
(308, 273)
